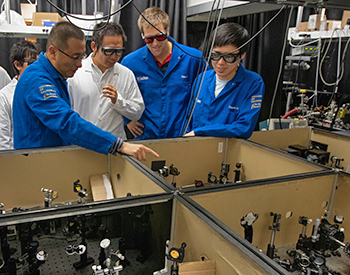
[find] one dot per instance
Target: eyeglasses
(108, 51)
(30, 61)
(160, 37)
(228, 57)
(75, 57)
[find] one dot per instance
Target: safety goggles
(30, 61)
(108, 51)
(160, 37)
(228, 57)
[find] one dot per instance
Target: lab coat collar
(49, 67)
(239, 77)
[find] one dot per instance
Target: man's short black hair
(21, 50)
(231, 34)
(61, 32)
(112, 29)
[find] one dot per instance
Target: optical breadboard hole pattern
(58, 262)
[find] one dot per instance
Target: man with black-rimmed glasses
(42, 113)
(103, 91)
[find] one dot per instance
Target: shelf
(299, 57)
(10, 31)
(200, 12)
(294, 35)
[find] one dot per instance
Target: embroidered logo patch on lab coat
(48, 92)
(256, 101)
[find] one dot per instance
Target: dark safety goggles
(108, 51)
(30, 61)
(228, 57)
(160, 37)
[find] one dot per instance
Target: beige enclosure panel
(262, 163)
(125, 178)
(194, 157)
(337, 146)
(302, 197)
(279, 139)
(22, 177)
(341, 203)
(203, 240)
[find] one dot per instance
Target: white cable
(339, 78)
(299, 46)
(30, 2)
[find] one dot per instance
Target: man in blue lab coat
(230, 98)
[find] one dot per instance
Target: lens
(119, 51)
(149, 40)
(109, 52)
(29, 61)
(159, 37)
(215, 56)
(230, 58)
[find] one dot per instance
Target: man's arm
(57, 115)
(127, 98)
(138, 151)
(135, 128)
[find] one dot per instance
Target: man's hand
(111, 92)
(138, 151)
(190, 134)
(134, 127)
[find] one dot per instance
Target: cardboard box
(27, 11)
(346, 16)
(334, 24)
(40, 18)
(101, 187)
(302, 27)
(197, 268)
(314, 22)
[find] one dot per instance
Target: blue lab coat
(166, 96)
(234, 112)
(42, 115)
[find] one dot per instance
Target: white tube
(8, 11)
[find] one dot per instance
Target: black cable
(205, 52)
(90, 19)
(253, 37)
(84, 29)
(174, 42)
(281, 66)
